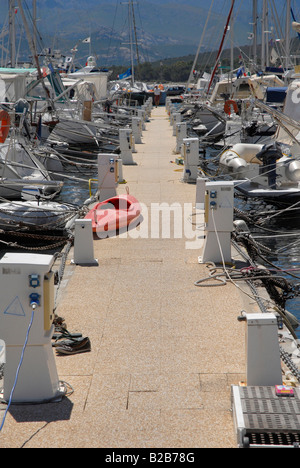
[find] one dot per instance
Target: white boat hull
(74, 132)
(32, 215)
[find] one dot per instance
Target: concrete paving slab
(164, 352)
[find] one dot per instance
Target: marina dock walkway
(164, 352)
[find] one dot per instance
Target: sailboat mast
(130, 6)
(200, 45)
(12, 33)
(232, 45)
(221, 46)
(255, 32)
(135, 36)
(263, 34)
(29, 38)
(34, 19)
(288, 33)
(33, 48)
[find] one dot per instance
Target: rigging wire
(221, 46)
(112, 29)
(214, 39)
(144, 50)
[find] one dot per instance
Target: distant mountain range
(164, 28)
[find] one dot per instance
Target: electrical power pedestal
(107, 176)
(84, 244)
(176, 120)
(137, 129)
(27, 311)
(190, 155)
(142, 115)
(263, 351)
(126, 146)
(181, 134)
(219, 204)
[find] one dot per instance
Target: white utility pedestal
(263, 352)
(146, 108)
(126, 146)
(27, 311)
(181, 134)
(84, 243)
(107, 176)
(137, 130)
(172, 110)
(176, 120)
(142, 115)
(190, 155)
(200, 192)
(219, 204)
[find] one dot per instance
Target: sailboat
(135, 91)
(272, 171)
(232, 95)
(33, 214)
(204, 119)
(68, 124)
(91, 73)
(20, 169)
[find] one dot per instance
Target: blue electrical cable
(19, 367)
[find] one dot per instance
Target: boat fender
(232, 160)
(247, 152)
(90, 200)
(4, 125)
(237, 164)
(241, 226)
(229, 104)
(292, 171)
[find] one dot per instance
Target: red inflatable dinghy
(114, 214)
